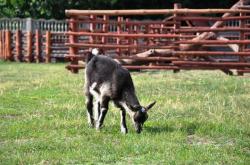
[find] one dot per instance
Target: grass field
(201, 117)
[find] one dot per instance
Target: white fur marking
(105, 89)
(95, 51)
(103, 109)
(93, 92)
(128, 110)
(123, 130)
(143, 110)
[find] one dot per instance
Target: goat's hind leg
(89, 103)
(104, 105)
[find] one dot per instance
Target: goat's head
(140, 116)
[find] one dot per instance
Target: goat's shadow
(159, 129)
(189, 128)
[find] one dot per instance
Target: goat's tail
(90, 55)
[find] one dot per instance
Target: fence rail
(186, 39)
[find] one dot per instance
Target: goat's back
(102, 69)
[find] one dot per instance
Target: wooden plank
(78, 13)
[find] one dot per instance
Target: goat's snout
(138, 127)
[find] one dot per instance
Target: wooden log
(79, 13)
(234, 47)
(48, 47)
(18, 56)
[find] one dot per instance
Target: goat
(105, 81)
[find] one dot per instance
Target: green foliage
(55, 9)
(201, 117)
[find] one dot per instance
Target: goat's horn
(150, 105)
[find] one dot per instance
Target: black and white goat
(106, 80)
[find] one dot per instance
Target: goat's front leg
(89, 103)
(124, 128)
(104, 104)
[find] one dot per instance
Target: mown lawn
(201, 117)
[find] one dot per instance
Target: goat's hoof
(124, 130)
(91, 125)
(98, 127)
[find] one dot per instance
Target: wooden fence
(185, 39)
(32, 46)
(29, 24)
(33, 40)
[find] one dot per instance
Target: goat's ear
(150, 105)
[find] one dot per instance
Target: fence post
(48, 47)
(38, 46)
(119, 30)
(18, 46)
(242, 47)
(1, 52)
(8, 45)
(3, 45)
(176, 27)
(72, 40)
(92, 28)
(105, 29)
(29, 57)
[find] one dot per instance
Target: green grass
(201, 117)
